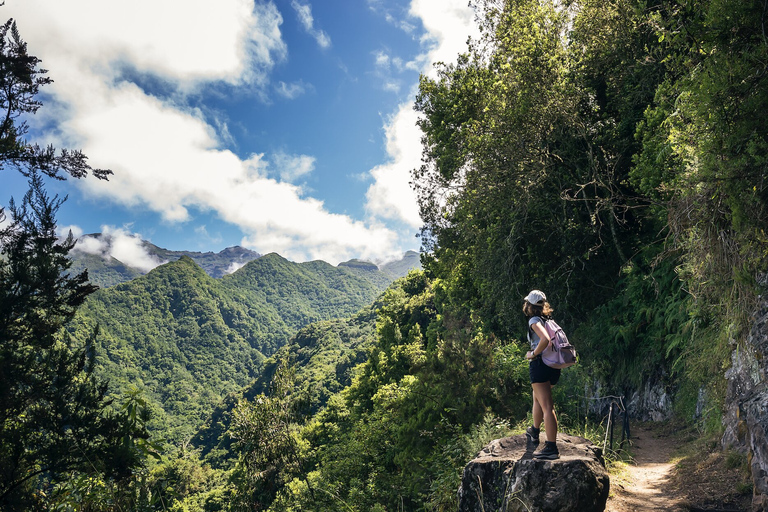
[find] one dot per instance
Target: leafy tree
(99, 487)
(53, 412)
(705, 142)
(703, 157)
(504, 150)
(528, 172)
(266, 434)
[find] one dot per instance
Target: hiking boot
(549, 452)
(533, 435)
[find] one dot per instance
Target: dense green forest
(187, 339)
(610, 153)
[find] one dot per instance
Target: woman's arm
(539, 329)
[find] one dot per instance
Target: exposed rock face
(746, 417)
(505, 478)
(651, 403)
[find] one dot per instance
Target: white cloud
(385, 65)
(448, 24)
(391, 86)
(391, 196)
(128, 248)
(167, 158)
(389, 12)
(182, 41)
(234, 267)
(292, 167)
(117, 243)
(290, 91)
(95, 246)
(204, 235)
(171, 174)
(304, 11)
(63, 231)
(386, 62)
(382, 60)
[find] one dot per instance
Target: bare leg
(542, 395)
(538, 415)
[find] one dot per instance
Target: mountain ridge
(95, 252)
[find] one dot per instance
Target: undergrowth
(707, 475)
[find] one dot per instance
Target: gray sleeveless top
(533, 338)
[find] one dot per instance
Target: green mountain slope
(323, 353)
(104, 272)
(297, 294)
(189, 339)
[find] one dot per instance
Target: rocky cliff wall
(653, 402)
(746, 415)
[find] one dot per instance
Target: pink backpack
(559, 353)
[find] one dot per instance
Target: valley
(187, 339)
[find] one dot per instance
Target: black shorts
(540, 372)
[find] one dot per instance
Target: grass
(618, 471)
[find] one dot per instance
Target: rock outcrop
(651, 402)
(746, 415)
(505, 477)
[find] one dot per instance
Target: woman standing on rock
(538, 310)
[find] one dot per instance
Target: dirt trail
(648, 485)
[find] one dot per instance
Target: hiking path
(647, 484)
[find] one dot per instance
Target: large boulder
(505, 477)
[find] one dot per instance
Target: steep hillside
(103, 271)
(323, 354)
(189, 339)
(369, 271)
(295, 295)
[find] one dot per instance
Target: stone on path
(505, 478)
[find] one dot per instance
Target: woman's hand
(529, 355)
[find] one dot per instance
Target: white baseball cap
(535, 297)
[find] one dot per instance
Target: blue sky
(279, 125)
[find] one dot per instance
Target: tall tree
(53, 414)
(496, 126)
(705, 142)
(267, 437)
